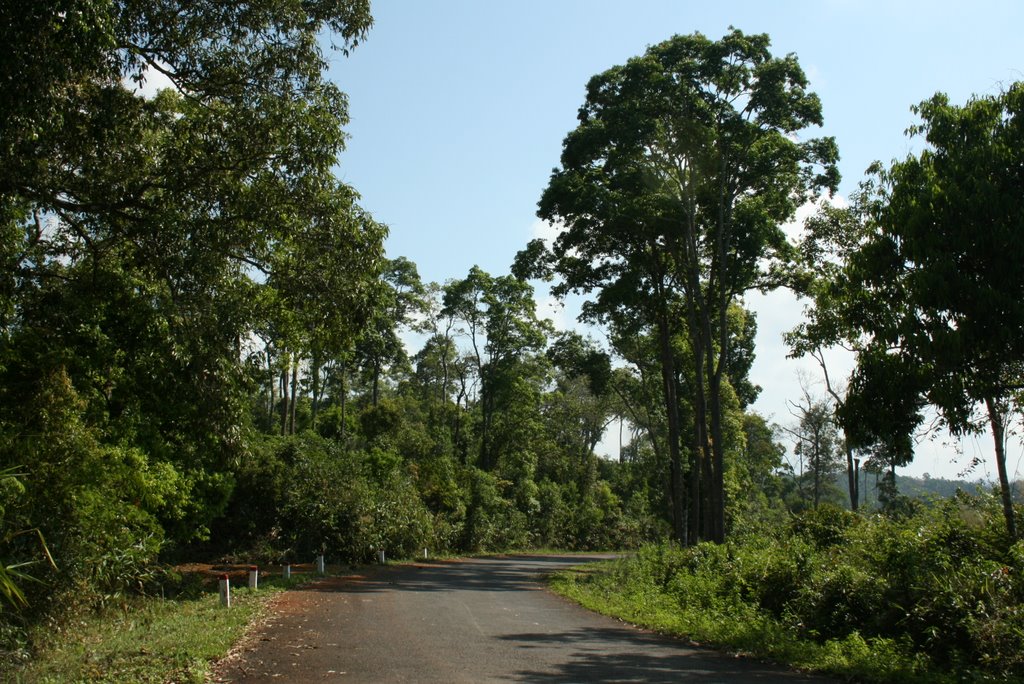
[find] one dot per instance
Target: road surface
(473, 620)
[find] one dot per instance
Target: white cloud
(153, 81)
(815, 77)
(548, 307)
(545, 230)
(795, 229)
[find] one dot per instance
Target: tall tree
(936, 288)
(672, 192)
(816, 442)
(401, 301)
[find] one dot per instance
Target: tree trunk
(700, 460)
(343, 399)
(996, 420)
(284, 395)
(816, 466)
(315, 387)
(376, 382)
(295, 387)
(716, 499)
(851, 478)
(457, 439)
(668, 378)
(272, 384)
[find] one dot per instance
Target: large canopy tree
(672, 192)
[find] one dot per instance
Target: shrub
(350, 505)
(823, 526)
(931, 595)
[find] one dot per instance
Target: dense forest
(206, 353)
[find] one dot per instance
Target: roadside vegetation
(206, 354)
(145, 638)
(931, 594)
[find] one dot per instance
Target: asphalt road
(474, 620)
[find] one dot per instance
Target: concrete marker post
(225, 591)
(380, 556)
(424, 553)
(320, 565)
(287, 572)
(254, 577)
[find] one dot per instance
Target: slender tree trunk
(668, 377)
(621, 460)
(315, 387)
(486, 420)
(996, 418)
(852, 465)
(284, 394)
(851, 477)
(376, 382)
(272, 387)
(707, 478)
(295, 387)
(343, 399)
(816, 465)
(723, 243)
(856, 482)
(457, 439)
(444, 362)
(700, 460)
(717, 497)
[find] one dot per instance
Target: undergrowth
(931, 596)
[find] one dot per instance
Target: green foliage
(493, 522)
(340, 505)
(824, 526)
(932, 595)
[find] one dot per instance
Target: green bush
(934, 594)
(493, 523)
(349, 505)
(823, 526)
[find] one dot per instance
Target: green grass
(609, 588)
(148, 639)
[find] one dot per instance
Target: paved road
(475, 620)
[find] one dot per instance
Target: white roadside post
(287, 572)
(320, 565)
(254, 577)
(225, 591)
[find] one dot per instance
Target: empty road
(473, 620)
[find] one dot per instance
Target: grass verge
(148, 639)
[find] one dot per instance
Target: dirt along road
(473, 620)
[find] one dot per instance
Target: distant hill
(927, 487)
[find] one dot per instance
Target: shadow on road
(598, 658)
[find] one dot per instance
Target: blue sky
(458, 110)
